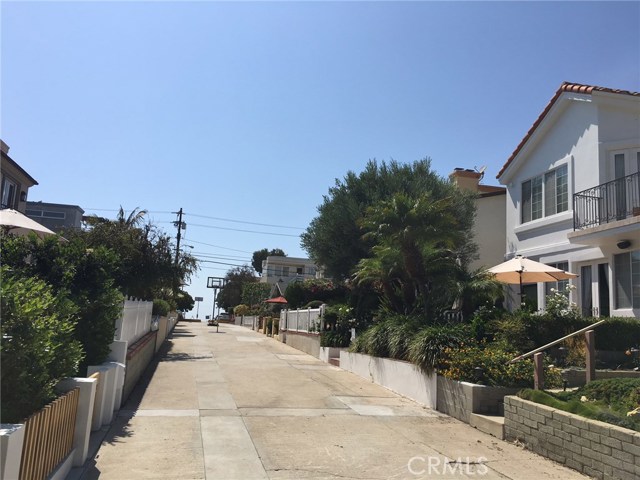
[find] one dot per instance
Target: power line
(241, 221)
(239, 230)
(217, 246)
(202, 216)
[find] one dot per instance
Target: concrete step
(491, 424)
(335, 361)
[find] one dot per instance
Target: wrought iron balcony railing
(608, 202)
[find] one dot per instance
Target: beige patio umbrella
(19, 224)
(521, 270)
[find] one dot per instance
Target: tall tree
(334, 239)
(260, 255)
(231, 294)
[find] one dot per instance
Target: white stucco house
(573, 197)
(280, 271)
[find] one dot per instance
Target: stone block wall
(597, 449)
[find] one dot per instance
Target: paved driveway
(238, 405)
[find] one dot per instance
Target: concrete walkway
(239, 405)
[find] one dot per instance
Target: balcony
(606, 203)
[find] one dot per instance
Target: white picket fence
(305, 320)
(135, 321)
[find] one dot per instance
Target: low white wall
(402, 377)
(329, 352)
(305, 342)
(11, 442)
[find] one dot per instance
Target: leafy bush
(618, 333)
(523, 331)
(326, 291)
(335, 338)
(38, 348)
(401, 337)
(160, 307)
(463, 363)
(85, 276)
(241, 309)
(431, 346)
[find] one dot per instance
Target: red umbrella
(276, 300)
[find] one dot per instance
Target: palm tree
(423, 230)
(133, 220)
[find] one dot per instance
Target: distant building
(281, 271)
(55, 216)
(489, 227)
(15, 182)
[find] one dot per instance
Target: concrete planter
(401, 377)
(327, 353)
(461, 399)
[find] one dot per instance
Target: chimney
(466, 179)
(4, 147)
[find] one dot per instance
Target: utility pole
(180, 226)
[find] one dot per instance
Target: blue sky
(249, 111)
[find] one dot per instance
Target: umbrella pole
(520, 275)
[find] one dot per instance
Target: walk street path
(238, 405)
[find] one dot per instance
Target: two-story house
(14, 182)
(280, 271)
(573, 197)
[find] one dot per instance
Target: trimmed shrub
(160, 307)
(618, 334)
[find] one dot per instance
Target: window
(285, 271)
(49, 214)
(627, 279)
(560, 285)
(9, 190)
(299, 270)
(545, 195)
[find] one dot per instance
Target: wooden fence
(48, 437)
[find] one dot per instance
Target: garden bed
(591, 447)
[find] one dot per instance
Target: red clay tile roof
(565, 87)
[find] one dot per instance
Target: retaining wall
(306, 342)
(139, 355)
(461, 399)
(402, 377)
(593, 448)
